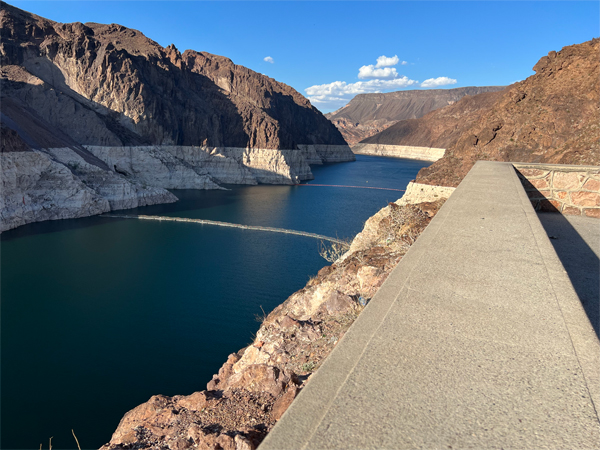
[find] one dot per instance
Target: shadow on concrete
(575, 240)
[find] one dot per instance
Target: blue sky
(319, 48)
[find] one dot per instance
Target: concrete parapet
(477, 339)
(571, 190)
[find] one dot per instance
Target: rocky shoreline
(400, 151)
(256, 385)
(62, 183)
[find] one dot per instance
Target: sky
(332, 51)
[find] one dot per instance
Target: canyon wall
(552, 116)
(438, 129)
(369, 114)
(103, 110)
(61, 183)
(399, 151)
(110, 85)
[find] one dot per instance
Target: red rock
(338, 303)
(241, 443)
(194, 402)
(180, 444)
(537, 128)
(592, 185)
(157, 92)
(282, 403)
(325, 271)
(368, 114)
(592, 212)
(260, 378)
(287, 322)
(571, 211)
(585, 198)
(224, 372)
(560, 195)
(567, 180)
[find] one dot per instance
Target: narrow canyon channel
(98, 314)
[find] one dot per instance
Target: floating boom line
(228, 224)
(357, 187)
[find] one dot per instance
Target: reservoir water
(98, 314)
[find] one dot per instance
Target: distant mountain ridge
(368, 114)
(439, 128)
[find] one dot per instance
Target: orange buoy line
(358, 187)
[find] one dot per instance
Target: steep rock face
(58, 183)
(131, 91)
(552, 116)
(28, 178)
(438, 129)
(122, 115)
(369, 114)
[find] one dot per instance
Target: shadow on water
(576, 252)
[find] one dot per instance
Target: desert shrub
(332, 251)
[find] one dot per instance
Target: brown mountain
(368, 114)
(440, 128)
(110, 85)
(552, 116)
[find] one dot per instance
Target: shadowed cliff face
(552, 116)
(120, 88)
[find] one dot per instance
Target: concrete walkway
(476, 340)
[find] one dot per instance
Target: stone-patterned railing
(571, 190)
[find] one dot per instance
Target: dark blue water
(99, 314)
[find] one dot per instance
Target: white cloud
(387, 73)
(337, 94)
(383, 70)
(269, 59)
(384, 61)
(439, 81)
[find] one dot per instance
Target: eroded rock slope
(552, 116)
(255, 386)
(369, 114)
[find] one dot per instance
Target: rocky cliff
(552, 116)
(255, 386)
(132, 91)
(438, 129)
(369, 114)
(108, 110)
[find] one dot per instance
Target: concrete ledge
(476, 340)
